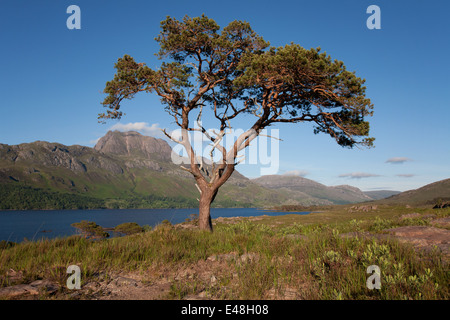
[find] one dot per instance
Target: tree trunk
(204, 216)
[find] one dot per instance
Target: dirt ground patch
(424, 237)
(168, 283)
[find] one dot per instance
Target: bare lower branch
(186, 169)
(169, 136)
(240, 161)
(268, 136)
(198, 188)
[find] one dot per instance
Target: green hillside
(312, 192)
(429, 194)
(129, 170)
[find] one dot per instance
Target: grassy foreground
(292, 256)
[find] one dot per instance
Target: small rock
(16, 291)
(246, 257)
(363, 208)
(14, 275)
(34, 288)
(233, 257)
(184, 274)
(199, 296)
(75, 294)
(122, 281)
(45, 285)
(286, 293)
(93, 286)
(442, 205)
(223, 257)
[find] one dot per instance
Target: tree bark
(204, 216)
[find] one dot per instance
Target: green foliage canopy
(129, 228)
(90, 229)
(235, 72)
(292, 84)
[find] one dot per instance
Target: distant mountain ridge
(381, 194)
(429, 194)
(312, 191)
(129, 170)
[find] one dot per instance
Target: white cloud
(94, 142)
(300, 173)
(398, 160)
(406, 175)
(155, 131)
(142, 127)
(358, 175)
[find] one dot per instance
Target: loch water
(33, 225)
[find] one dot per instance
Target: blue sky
(52, 78)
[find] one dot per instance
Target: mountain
(380, 194)
(123, 170)
(311, 192)
(133, 144)
(429, 194)
(129, 170)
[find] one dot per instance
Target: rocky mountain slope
(312, 191)
(129, 170)
(133, 144)
(123, 170)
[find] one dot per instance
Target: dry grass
(286, 257)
